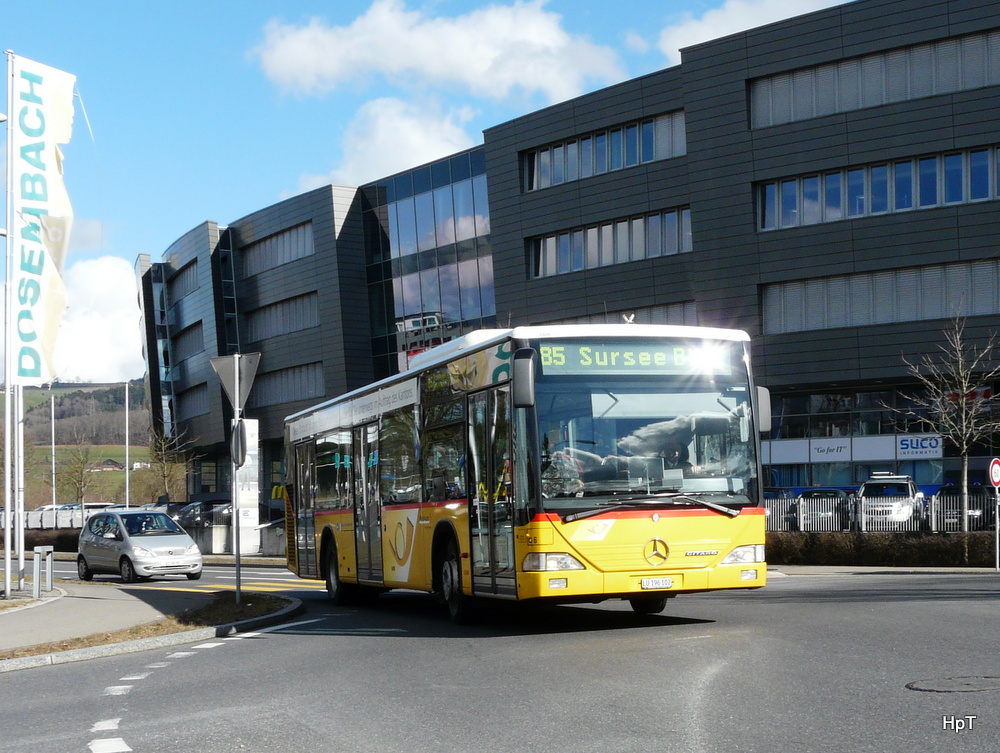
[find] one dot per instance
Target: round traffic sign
(995, 472)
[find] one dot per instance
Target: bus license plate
(657, 583)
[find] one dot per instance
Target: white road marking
(209, 645)
(158, 665)
(106, 725)
(181, 654)
(254, 634)
(140, 676)
(117, 690)
(110, 745)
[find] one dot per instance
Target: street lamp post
(126, 448)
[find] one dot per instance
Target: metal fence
(50, 519)
(940, 513)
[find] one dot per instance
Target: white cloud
(99, 340)
(87, 235)
(636, 42)
(389, 135)
(731, 17)
(489, 51)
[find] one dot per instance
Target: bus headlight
(744, 554)
(546, 561)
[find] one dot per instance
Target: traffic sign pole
(237, 387)
(995, 480)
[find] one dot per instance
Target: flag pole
(19, 480)
(7, 339)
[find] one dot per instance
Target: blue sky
(212, 110)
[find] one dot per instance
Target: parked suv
(887, 501)
(948, 507)
(824, 510)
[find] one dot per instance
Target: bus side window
(444, 463)
(398, 472)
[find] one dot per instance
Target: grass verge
(221, 611)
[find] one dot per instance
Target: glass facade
(429, 259)
(841, 437)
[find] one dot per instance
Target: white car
(136, 544)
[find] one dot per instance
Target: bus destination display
(631, 357)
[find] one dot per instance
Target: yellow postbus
(572, 463)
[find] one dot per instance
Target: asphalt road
(811, 663)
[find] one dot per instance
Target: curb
(40, 602)
(296, 607)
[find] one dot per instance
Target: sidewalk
(74, 609)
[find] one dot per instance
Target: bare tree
(957, 401)
(168, 458)
(76, 470)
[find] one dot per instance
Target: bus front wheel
(648, 604)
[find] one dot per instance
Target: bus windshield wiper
(650, 500)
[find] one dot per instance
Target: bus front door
(491, 513)
(367, 510)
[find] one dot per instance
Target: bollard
(36, 584)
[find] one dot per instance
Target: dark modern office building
(828, 183)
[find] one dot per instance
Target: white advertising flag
(41, 118)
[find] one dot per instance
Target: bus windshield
(649, 421)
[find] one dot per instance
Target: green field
(99, 452)
(103, 486)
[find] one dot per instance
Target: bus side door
(367, 510)
(490, 474)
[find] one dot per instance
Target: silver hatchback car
(136, 544)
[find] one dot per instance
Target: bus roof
(485, 337)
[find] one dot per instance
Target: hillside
(85, 414)
(89, 429)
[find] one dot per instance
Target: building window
(887, 297)
(287, 386)
(937, 180)
(188, 342)
(633, 144)
(942, 67)
(182, 283)
(290, 315)
(275, 250)
(192, 402)
(613, 242)
(685, 313)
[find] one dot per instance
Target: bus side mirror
(763, 409)
(524, 378)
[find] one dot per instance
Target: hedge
(976, 549)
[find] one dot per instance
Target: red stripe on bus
(663, 512)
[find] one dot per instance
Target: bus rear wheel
(648, 604)
(459, 606)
